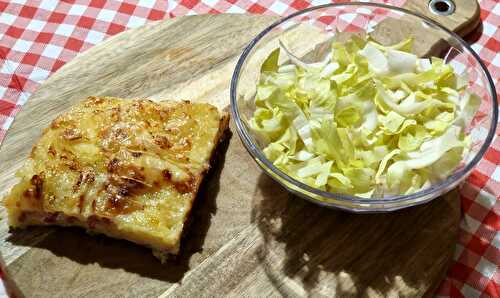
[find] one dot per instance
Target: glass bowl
(307, 31)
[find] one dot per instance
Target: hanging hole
(442, 7)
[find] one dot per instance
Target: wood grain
(429, 42)
(248, 237)
(463, 21)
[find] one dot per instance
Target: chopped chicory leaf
(368, 120)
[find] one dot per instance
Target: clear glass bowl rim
(257, 153)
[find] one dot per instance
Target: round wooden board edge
(61, 71)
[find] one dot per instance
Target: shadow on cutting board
(310, 250)
(76, 245)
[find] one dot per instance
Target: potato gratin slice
(129, 169)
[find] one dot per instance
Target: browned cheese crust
(129, 169)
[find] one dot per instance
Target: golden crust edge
(219, 137)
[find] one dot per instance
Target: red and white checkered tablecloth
(38, 37)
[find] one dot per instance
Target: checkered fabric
(38, 37)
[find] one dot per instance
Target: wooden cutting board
(248, 236)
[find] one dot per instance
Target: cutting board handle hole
(442, 7)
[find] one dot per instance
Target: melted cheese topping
(135, 163)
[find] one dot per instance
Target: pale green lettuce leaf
(383, 164)
(347, 75)
(269, 123)
(329, 69)
(323, 175)
(429, 153)
(348, 116)
(424, 64)
(278, 100)
(440, 123)
(318, 91)
(373, 156)
(271, 62)
(445, 166)
(263, 93)
(401, 62)
(393, 123)
(412, 138)
(377, 61)
(303, 128)
(362, 179)
(404, 45)
(339, 182)
(468, 106)
(313, 167)
(409, 106)
(303, 155)
(329, 143)
(340, 54)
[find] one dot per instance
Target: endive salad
(368, 120)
